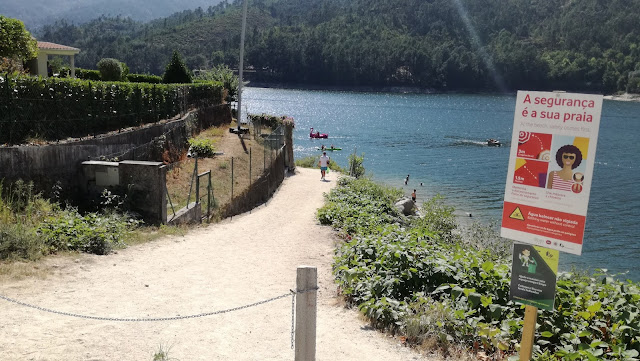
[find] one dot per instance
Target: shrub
(125, 71)
(176, 71)
(356, 169)
(421, 280)
(92, 233)
(144, 78)
(19, 241)
(110, 69)
(202, 147)
(266, 120)
(87, 74)
(307, 162)
(223, 74)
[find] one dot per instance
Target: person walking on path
(323, 163)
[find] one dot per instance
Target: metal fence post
(9, 120)
(306, 304)
(231, 177)
(194, 175)
(209, 191)
(197, 188)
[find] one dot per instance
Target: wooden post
(250, 180)
(528, 332)
(307, 279)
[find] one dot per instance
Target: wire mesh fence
(232, 178)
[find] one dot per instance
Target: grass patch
(163, 354)
(312, 162)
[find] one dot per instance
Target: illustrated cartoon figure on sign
(568, 157)
(528, 261)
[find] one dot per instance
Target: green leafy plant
(266, 120)
(15, 40)
(92, 233)
(420, 278)
(356, 167)
(221, 73)
(307, 162)
(202, 147)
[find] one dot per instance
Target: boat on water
(330, 149)
(493, 142)
(317, 134)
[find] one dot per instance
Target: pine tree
(176, 71)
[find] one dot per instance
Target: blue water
(439, 141)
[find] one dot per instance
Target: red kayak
(317, 134)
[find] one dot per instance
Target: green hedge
(53, 109)
(144, 78)
(87, 74)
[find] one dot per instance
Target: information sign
(533, 275)
(550, 171)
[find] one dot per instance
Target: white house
(38, 66)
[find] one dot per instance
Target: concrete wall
(143, 183)
(146, 186)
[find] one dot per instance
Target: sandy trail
(249, 258)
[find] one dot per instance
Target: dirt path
(250, 258)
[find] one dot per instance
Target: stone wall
(51, 164)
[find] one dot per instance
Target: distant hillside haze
(36, 13)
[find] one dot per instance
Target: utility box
(142, 182)
(146, 187)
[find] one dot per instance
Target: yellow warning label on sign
(517, 214)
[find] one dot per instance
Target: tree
(110, 69)
(217, 57)
(223, 74)
(15, 40)
(176, 71)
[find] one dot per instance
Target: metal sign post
(241, 66)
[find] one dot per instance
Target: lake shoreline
(626, 97)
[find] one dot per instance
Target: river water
(440, 141)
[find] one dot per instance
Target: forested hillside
(37, 13)
(588, 45)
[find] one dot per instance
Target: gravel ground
(240, 261)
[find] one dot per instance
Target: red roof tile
(54, 46)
